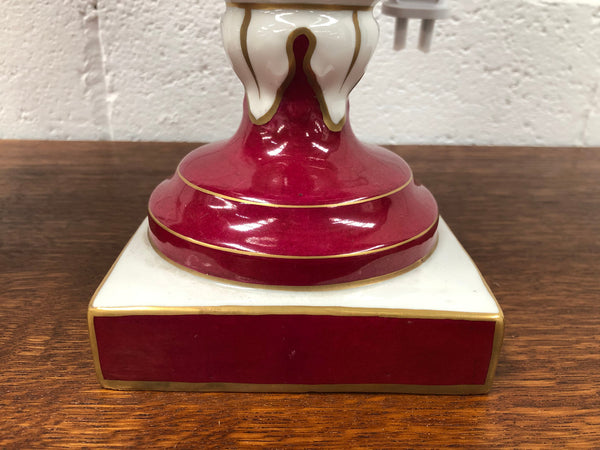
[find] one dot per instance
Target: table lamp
(293, 257)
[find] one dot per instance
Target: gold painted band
(279, 205)
(464, 389)
(499, 329)
(304, 6)
(326, 287)
(276, 256)
(265, 310)
(357, 44)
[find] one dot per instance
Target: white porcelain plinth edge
(448, 282)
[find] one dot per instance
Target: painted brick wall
(501, 72)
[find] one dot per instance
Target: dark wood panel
(528, 216)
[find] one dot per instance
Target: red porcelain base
(436, 329)
(355, 351)
(293, 203)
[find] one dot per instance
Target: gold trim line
(300, 5)
(90, 315)
(310, 75)
(335, 311)
(280, 205)
(277, 256)
(357, 46)
(498, 331)
(244, 45)
(465, 389)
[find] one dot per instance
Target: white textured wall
(522, 72)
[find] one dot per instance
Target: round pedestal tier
(293, 203)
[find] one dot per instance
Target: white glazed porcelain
(258, 39)
(447, 282)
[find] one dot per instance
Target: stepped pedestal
(434, 329)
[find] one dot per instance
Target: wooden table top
(529, 217)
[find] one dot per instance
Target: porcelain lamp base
(435, 329)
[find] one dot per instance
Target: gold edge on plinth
(498, 332)
(279, 256)
(325, 287)
(94, 344)
(460, 389)
(91, 315)
(289, 206)
(496, 348)
(288, 310)
(285, 310)
(264, 310)
(499, 327)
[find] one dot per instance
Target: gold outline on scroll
(310, 75)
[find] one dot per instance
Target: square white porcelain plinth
(446, 286)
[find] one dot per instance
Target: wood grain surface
(529, 218)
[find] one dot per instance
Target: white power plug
(427, 10)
